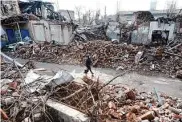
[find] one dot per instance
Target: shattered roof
(164, 20)
(35, 7)
(144, 16)
(28, 7)
(19, 18)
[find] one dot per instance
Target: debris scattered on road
(103, 102)
(148, 60)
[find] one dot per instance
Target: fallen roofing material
(22, 18)
(9, 59)
(24, 92)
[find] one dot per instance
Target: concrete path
(172, 87)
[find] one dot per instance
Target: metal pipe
(19, 31)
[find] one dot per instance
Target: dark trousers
(88, 69)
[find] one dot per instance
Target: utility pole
(117, 8)
(58, 9)
(105, 14)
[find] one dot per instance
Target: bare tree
(84, 19)
(171, 8)
(78, 12)
(97, 16)
(88, 17)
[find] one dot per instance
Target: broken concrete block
(174, 110)
(27, 119)
(15, 94)
(131, 117)
(156, 119)
(176, 116)
(2, 92)
(150, 115)
(106, 97)
(114, 114)
(66, 113)
(130, 95)
(111, 105)
(135, 109)
(8, 100)
(161, 111)
(120, 68)
(37, 117)
(13, 85)
(138, 57)
(3, 115)
(145, 121)
(179, 105)
(165, 106)
(179, 74)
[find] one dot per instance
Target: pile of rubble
(118, 103)
(24, 95)
(17, 104)
(90, 33)
(143, 17)
(104, 54)
(165, 60)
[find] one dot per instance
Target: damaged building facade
(163, 26)
(179, 24)
(9, 8)
(36, 21)
(68, 14)
(149, 30)
(141, 27)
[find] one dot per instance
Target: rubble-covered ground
(118, 103)
(165, 60)
(25, 90)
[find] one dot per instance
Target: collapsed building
(9, 8)
(36, 21)
(30, 94)
(149, 30)
(47, 25)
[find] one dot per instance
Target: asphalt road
(172, 87)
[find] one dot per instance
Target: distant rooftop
(152, 11)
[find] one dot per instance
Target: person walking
(88, 65)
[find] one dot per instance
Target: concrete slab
(65, 113)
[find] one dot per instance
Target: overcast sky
(111, 5)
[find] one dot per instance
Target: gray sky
(111, 5)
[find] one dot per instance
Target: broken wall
(9, 8)
(179, 27)
(67, 15)
(113, 30)
(12, 32)
(140, 36)
(179, 24)
(39, 30)
(154, 25)
(45, 31)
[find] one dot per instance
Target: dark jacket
(88, 62)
